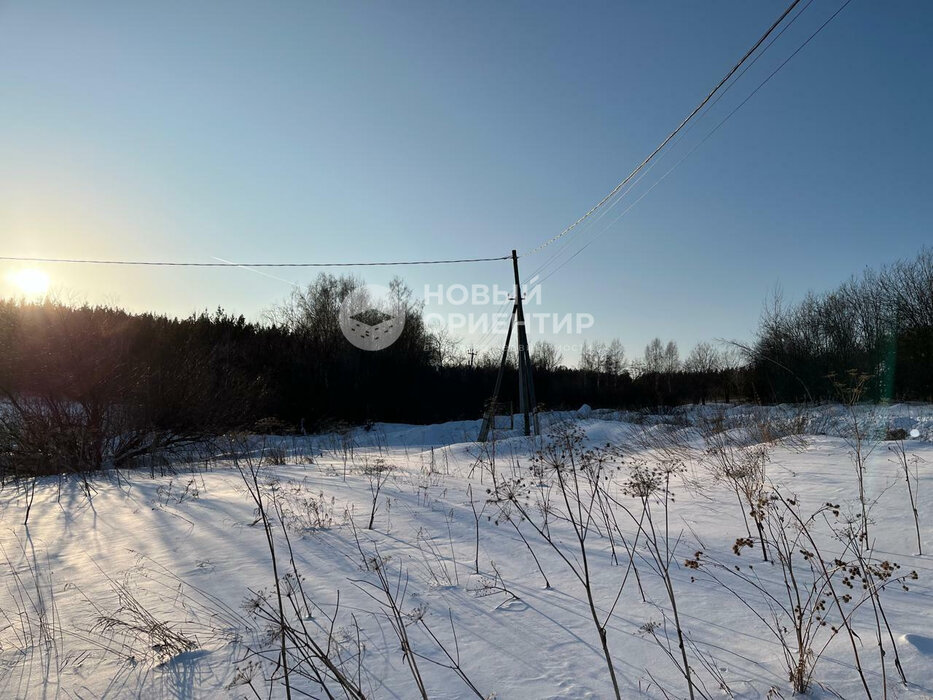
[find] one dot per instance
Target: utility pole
(524, 362)
(471, 353)
(526, 387)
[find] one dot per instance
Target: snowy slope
(135, 586)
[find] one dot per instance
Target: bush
(895, 434)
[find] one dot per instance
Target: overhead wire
(707, 136)
(670, 136)
(604, 212)
(165, 263)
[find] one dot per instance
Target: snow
(186, 549)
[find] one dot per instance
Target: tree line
(878, 325)
(107, 385)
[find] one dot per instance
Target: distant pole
(471, 353)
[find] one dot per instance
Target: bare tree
(671, 361)
(703, 358)
(545, 356)
(614, 358)
(704, 362)
(654, 356)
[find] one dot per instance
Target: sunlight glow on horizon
(31, 283)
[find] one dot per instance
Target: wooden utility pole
(490, 417)
(471, 353)
(526, 387)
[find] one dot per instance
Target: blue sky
(326, 131)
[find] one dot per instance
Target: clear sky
(346, 131)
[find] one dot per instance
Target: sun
(30, 282)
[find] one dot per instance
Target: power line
(670, 136)
(557, 254)
(164, 263)
(221, 263)
(704, 140)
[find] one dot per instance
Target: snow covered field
(155, 585)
